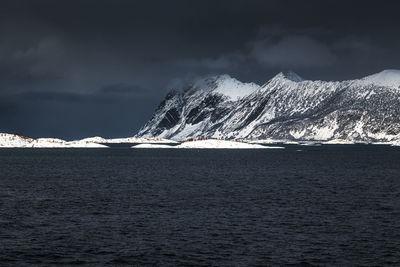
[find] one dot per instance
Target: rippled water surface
(327, 205)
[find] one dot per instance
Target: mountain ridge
(286, 107)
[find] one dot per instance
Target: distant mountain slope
(285, 108)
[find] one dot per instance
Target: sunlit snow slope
(284, 108)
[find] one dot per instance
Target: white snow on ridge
(12, 140)
(234, 88)
(228, 86)
(94, 139)
(210, 144)
(389, 78)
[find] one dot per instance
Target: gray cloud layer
(75, 68)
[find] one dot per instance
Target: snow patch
(17, 141)
(98, 139)
(227, 86)
(210, 144)
(338, 142)
(389, 78)
(298, 134)
(152, 146)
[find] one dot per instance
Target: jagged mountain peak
(288, 75)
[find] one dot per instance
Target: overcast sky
(73, 69)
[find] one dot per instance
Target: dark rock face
(171, 118)
(285, 108)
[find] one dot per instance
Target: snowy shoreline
(210, 144)
(17, 141)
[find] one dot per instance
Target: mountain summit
(227, 86)
(289, 75)
(285, 108)
(389, 78)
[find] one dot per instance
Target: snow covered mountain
(285, 108)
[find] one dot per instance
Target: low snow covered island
(18, 141)
(209, 144)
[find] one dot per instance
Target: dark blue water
(328, 205)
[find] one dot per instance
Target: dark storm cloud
(123, 89)
(293, 52)
(73, 115)
(64, 65)
(50, 96)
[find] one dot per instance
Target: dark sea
(327, 205)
